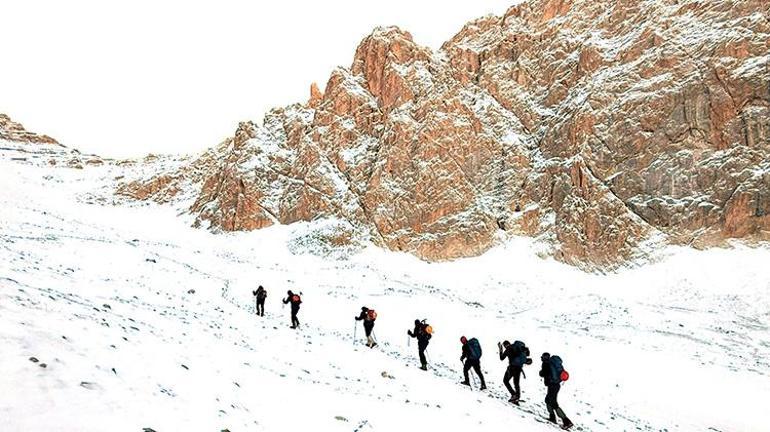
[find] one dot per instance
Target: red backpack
(295, 299)
(371, 315)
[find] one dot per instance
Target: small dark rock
(33, 359)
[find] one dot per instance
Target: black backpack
(558, 374)
(474, 349)
(520, 353)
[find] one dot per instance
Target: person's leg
(423, 360)
(555, 403)
(507, 382)
(550, 400)
(466, 368)
(516, 378)
(368, 331)
(477, 368)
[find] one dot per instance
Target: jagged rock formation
(598, 126)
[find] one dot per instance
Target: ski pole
(355, 331)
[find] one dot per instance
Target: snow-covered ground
(143, 322)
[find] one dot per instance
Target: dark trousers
(261, 307)
(368, 327)
(421, 350)
(552, 403)
(476, 365)
(515, 373)
(294, 319)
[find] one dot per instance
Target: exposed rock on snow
(12, 131)
(594, 125)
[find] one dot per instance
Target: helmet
(289, 292)
(416, 322)
(463, 340)
(545, 356)
(364, 309)
(506, 343)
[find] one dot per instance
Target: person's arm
(465, 353)
(286, 300)
(360, 317)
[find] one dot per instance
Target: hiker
(517, 355)
(260, 294)
(553, 374)
(422, 332)
(295, 301)
(471, 358)
(368, 316)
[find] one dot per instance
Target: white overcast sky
(127, 78)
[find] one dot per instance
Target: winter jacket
(547, 373)
(420, 334)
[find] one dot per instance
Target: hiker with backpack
(260, 295)
(368, 316)
(553, 374)
(295, 301)
(517, 355)
(471, 358)
(422, 332)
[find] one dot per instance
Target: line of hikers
(517, 353)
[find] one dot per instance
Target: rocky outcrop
(12, 131)
(600, 127)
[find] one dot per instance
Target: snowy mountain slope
(142, 322)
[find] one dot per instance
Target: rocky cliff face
(601, 127)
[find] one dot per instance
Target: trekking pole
(355, 331)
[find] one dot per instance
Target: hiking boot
(483, 387)
(465, 383)
(424, 367)
(552, 419)
(567, 424)
(373, 345)
(513, 399)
